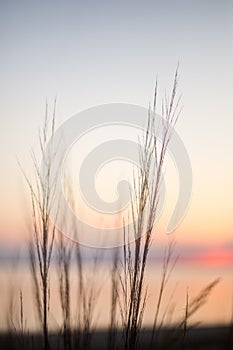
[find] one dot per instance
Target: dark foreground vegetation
(206, 338)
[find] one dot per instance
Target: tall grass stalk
(43, 232)
(87, 298)
(180, 329)
(114, 298)
(146, 190)
(65, 249)
(169, 262)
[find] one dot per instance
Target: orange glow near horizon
(218, 257)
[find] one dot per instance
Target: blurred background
(96, 52)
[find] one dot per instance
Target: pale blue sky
(94, 52)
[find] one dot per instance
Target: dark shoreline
(206, 337)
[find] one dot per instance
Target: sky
(87, 53)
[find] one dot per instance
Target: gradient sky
(93, 52)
